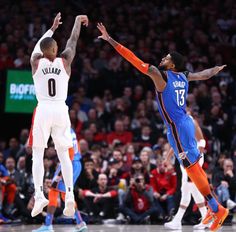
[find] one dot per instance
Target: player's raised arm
(70, 49)
(37, 53)
(145, 68)
(205, 74)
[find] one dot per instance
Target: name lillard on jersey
(50, 70)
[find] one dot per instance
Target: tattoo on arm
(156, 76)
(70, 49)
(205, 74)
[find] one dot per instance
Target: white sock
(66, 169)
(178, 217)
(38, 170)
(203, 211)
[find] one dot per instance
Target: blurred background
(112, 106)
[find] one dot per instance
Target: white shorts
(51, 119)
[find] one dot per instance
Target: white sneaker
(230, 204)
(201, 226)
(39, 204)
(69, 209)
(82, 227)
(44, 228)
(120, 217)
(173, 225)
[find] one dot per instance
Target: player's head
(173, 61)
(49, 47)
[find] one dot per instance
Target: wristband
(201, 143)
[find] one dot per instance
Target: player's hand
(56, 22)
(83, 19)
(103, 30)
(219, 68)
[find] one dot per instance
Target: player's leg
(175, 224)
(39, 134)
(53, 198)
(199, 178)
(189, 158)
(66, 168)
(63, 141)
(200, 201)
(80, 223)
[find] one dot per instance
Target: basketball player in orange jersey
(51, 75)
(171, 83)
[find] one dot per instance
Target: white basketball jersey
(51, 81)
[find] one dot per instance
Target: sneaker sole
(172, 227)
(41, 209)
(221, 221)
(69, 210)
(82, 229)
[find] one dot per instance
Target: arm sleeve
(134, 60)
(37, 49)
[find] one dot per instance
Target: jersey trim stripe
(185, 161)
(31, 129)
(171, 123)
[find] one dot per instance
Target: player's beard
(162, 67)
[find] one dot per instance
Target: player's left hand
(56, 22)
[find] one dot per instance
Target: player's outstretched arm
(205, 74)
(145, 68)
(37, 53)
(70, 49)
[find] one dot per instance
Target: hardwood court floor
(106, 228)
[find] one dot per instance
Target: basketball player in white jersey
(51, 75)
(188, 188)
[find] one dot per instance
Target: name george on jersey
(180, 84)
(51, 70)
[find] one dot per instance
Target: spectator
(145, 137)
(139, 201)
(145, 159)
(7, 193)
(119, 134)
(15, 149)
(164, 184)
(101, 201)
(225, 183)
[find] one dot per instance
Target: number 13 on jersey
(180, 96)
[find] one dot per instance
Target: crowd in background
(112, 106)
